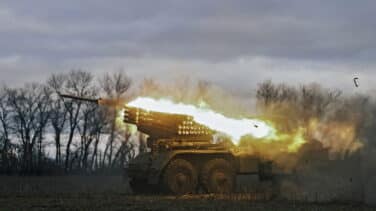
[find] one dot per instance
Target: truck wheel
(218, 176)
(180, 177)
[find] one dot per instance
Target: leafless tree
(267, 92)
(43, 117)
(5, 121)
(309, 100)
(90, 128)
(315, 101)
(300, 104)
(79, 83)
(29, 119)
(125, 149)
(287, 93)
(58, 114)
(98, 122)
(114, 86)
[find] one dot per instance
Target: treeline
(87, 138)
(33, 115)
(341, 122)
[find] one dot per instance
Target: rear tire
(218, 176)
(180, 177)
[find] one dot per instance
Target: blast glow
(235, 128)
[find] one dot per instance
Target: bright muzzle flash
(235, 128)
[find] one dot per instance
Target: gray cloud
(231, 43)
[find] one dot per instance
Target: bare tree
(287, 93)
(90, 128)
(5, 121)
(114, 86)
(315, 101)
(97, 122)
(79, 83)
(267, 92)
(307, 101)
(29, 119)
(123, 151)
(43, 117)
(58, 114)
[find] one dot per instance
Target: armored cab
(183, 157)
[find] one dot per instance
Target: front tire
(180, 177)
(218, 176)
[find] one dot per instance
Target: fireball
(234, 128)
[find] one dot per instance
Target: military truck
(183, 156)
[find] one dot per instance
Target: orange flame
(235, 128)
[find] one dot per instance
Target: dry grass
(111, 193)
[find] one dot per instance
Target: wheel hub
(221, 180)
(181, 179)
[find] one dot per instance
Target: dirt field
(111, 193)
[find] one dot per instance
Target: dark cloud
(331, 37)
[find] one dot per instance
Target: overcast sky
(235, 44)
